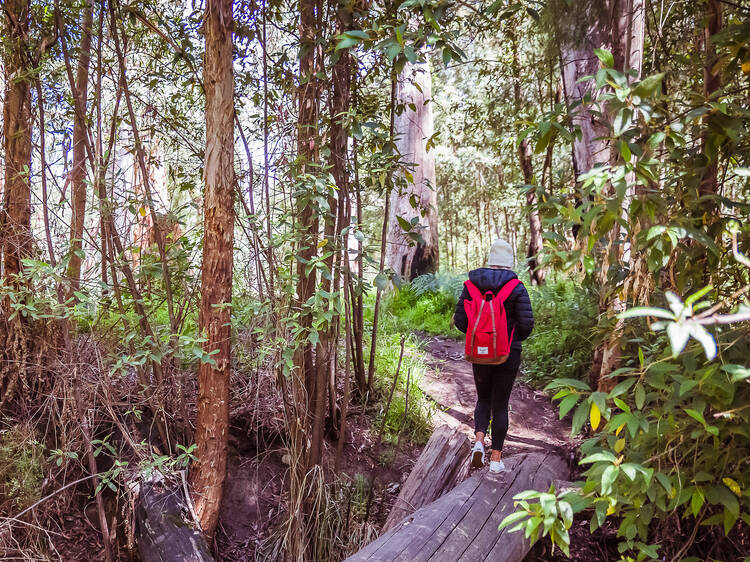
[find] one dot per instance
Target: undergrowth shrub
(416, 425)
(562, 343)
(426, 304)
(21, 468)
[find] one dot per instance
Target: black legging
(494, 383)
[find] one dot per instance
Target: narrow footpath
(534, 421)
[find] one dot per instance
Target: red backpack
(487, 338)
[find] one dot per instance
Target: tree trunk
(711, 84)
(15, 221)
(307, 219)
(414, 127)
(325, 354)
(617, 25)
(524, 157)
(383, 240)
(78, 173)
(443, 464)
(535, 224)
(212, 422)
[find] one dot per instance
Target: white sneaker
(477, 455)
(497, 467)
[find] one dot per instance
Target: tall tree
(78, 173)
(307, 219)
(414, 130)
(212, 423)
(617, 26)
(15, 220)
(711, 84)
(524, 158)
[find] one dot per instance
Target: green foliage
(430, 312)
(417, 424)
(670, 437)
(561, 345)
(674, 438)
(552, 515)
(21, 468)
(424, 305)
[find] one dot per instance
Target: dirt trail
(534, 422)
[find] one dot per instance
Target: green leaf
(738, 372)
(405, 225)
(640, 396)
(381, 281)
(604, 456)
(567, 404)
(639, 311)
(649, 86)
(512, 518)
(574, 383)
(697, 500)
(698, 295)
(697, 416)
(579, 418)
(346, 42)
(606, 57)
(608, 478)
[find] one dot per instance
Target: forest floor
(254, 490)
(254, 485)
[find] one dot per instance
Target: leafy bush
(561, 345)
(416, 425)
(450, 284)
(425, 305)
(21, 468)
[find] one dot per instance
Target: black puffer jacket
(518, 305)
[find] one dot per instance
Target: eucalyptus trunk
(711, 84)
(78, 173)
(534, 247)
(407, 256)
(307, 220)
(15, 220)
(618, 26)
(212, 422)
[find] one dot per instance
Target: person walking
(494, 376)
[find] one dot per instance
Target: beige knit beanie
(501, 254)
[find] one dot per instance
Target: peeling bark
(15, 220)
(212, 423)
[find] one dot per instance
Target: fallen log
(462, 525)
(443, 464)
(164, 529)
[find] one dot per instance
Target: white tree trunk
(414, 127)
(618, 26)
(615, 25)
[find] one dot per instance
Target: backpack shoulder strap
(474, 292)
(507, 289)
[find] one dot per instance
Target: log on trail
(461, 526)
(443, 464)
(165, 531)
